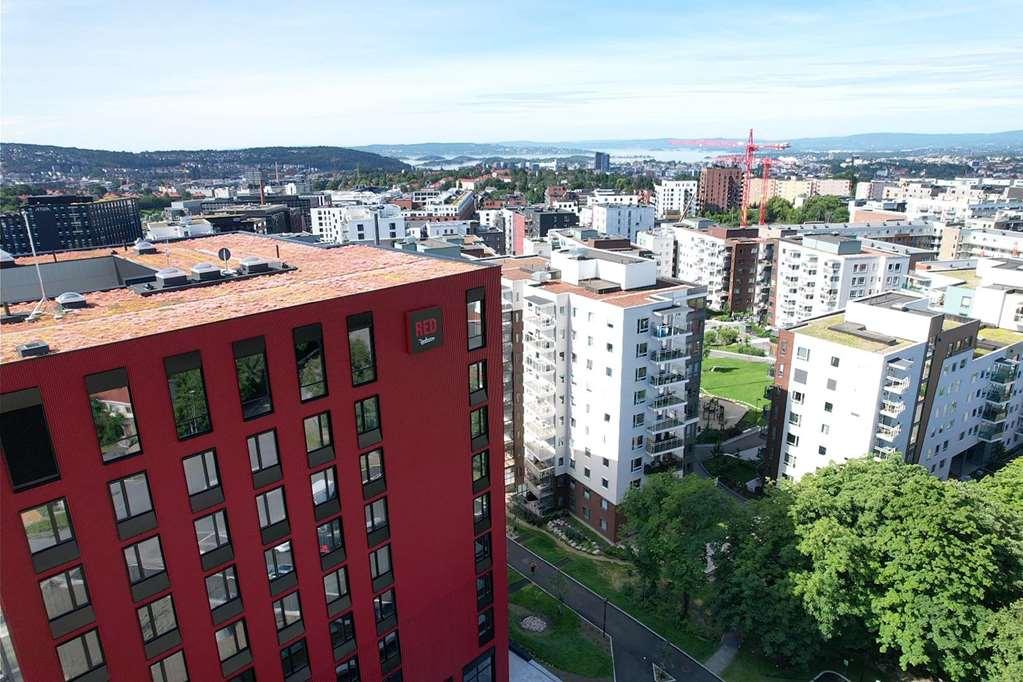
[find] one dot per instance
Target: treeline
(875, 559)
(815, 209)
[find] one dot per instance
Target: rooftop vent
(71, 299)
(33, 349)
(6, 259)
(170, 277)
(541, 276)
(205, 272)
(144, 247)
(253, 264)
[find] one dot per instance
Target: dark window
(324, 486)
(279, 561)
(113, 414)
(367, 415)
(348, 671)
(64, 592)
(80, 655)
(170, 669)
(201, 472)
(478, 422)
(485, 625)
(130, 496)
(376, 515)
(287, 610)
(478, 376)
(384, 606)
(475, 316)
(271, 507)
(480, 670)
(211, 532)
(317, 431)
(380, 562)
(330, 536)
(372, 465)
(335, 584)
(342, 630)
(25, 438)
(144, 559)
(360, 346)
(253, 380)
(481, 508)
(47, 525)
(312, 377)
(482, 547)
(294, 658)
(485, 588)
(388, 647)
(263, 450)
(188, 395)
(480, 466)
(231, 640)
(222, 587)
(157, 618)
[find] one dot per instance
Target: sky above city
(172, 75)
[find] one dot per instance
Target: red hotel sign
(425, 329)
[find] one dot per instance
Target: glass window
(47, 525)
(484, 588)
(342, 630)
(361, 348)
(330, 536)
(388, 646)
(482, 669)
(475, 317)
(335, 584)
(380, 561)
(211, 532)
(348, 671)
(170, 669)
(481, 508)
(144, 559)
(367, 415)
(478, 376)
(80, 655)
(113, 414)
(188, 395)
(231, 640)
(25, 436)
(263, 450)
(130, 496)
(481, 547)
(485, 625)
(317, 431)
(253, 381)
(222, 587)
(372, 466)
(480, 466)
(376, 515)
(157, 618)
(384, 606)
(201, 472)
(312, 377)
(279, 561)
(324, 485)
(478, 422)
(287, 610)
(64, 592)
(294, 658)
(271, 507)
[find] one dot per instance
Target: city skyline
(404, 73)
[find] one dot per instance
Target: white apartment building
(610, 196)
(734, 264)
(491, 217)
(625, 220)
(185, 226)
(818, 274)
(610, 374)
(965, 242)
(888, 376)
(675, 198)
(437, 229)
(661, 242)
(344, 224)
(795, 190)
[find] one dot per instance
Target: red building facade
(333, 513)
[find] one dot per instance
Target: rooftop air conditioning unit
(205, 272)
(253, 264)
(144, 247)
(170, 277)
(71, 299)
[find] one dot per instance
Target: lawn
(733, 469)
(748, 667)
(611, 579)
(568, 644)
(740, 380)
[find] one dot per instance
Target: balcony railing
(655, 447)
(666, 378)
(991, 433)
(663, 401)
(893, 385)
(1003, 372)
(665, 425)
(663, 332)
(891, 408)
(999, 393)
(889, 433)
(994, 414)
(668, 354)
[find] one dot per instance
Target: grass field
(735, 379)
(748, 667)
(732, 469)
(567, 644)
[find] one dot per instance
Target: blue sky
(147, 75)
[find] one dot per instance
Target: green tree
(727, 335)
(1004, 632)
(823, 209)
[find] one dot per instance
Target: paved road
(634, 646)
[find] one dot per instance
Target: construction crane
(747, 162)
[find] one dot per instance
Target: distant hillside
(34, 159)
(1011, 140)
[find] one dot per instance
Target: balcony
(999, 393)
(991, 433)
(898, 386)
(668, 354)
(890, 408)
(1003, 372)
(666, 378)
(888, 432)
(665, 425)
(539, 345)
(542, 449)
(884, 450)
(667, 331)
(994, 414)
(656, 447)
(664, 401)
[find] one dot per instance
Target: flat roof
(122, 314)
(997, 335)
(824, 328)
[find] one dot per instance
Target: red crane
(747, 162)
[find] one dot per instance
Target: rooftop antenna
(40, 308)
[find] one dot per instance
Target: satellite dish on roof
(224, 254)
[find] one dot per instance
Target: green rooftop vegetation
(820, 329)
(1003, 337)
(968, 276)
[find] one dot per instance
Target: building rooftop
(968, 276)
(122, 313)
(834, 328)
(999, 336)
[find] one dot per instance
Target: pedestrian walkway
(634, 646)
(725, 654)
